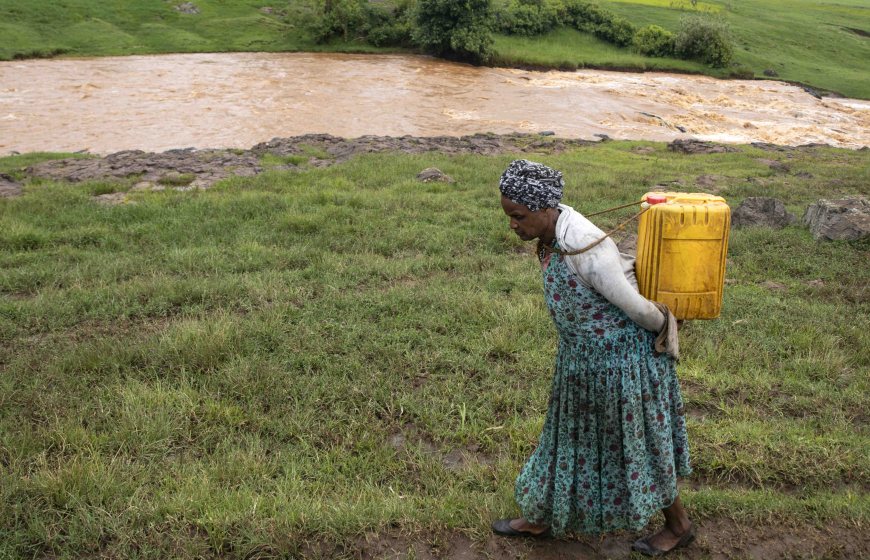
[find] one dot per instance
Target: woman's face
(526, 224)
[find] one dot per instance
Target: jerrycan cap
(656, 199)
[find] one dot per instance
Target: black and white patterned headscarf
(532, 184)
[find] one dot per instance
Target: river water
(155, 103)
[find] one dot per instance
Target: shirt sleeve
(602, 269)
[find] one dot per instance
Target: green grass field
(569, 49)
(309, 356)
(809, 41)
(117, 27)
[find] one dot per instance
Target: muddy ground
(718, 538)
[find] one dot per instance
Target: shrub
(653, 40)
(618, 31)
(602, 23)
(340, 18)
(586, 16)
(393, 34)
(455, 28)
(532, 17)
(379, 25)
(394, 28)
(705, 39)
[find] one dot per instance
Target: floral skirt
(614, 439)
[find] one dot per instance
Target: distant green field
(809, 41)
(567, 48)
(117, 27)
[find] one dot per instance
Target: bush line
(463, 30)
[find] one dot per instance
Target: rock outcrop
(761, 211)
(188, 168)
(846, 218)
(690, 146)
(204, 167)
(188, 8)
(433, 174)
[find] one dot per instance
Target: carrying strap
(551, 249)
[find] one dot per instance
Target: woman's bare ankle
(522, 524)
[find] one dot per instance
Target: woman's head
(534, 185)
(530, 195)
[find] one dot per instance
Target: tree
(459, 29)
(704, 38)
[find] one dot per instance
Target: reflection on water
(155, 103)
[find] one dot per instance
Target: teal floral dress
(614, 439)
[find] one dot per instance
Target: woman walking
(614, 439)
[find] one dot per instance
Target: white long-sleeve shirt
(604, 269)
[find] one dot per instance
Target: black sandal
(644, 547)
(503, 527)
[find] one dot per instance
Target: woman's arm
(601, 268)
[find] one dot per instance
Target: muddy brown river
(156, 103)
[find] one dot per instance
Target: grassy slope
(568, 48)
(218, 373)
(802, 40)
(119, 27)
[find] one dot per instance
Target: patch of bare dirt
(410, 437)
(718, 539)
(9, 187)
(628, 244)
(774, 286)
(711, 184)
(702, 412)
(775, 165)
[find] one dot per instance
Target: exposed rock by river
(202, 168)
(189, 168)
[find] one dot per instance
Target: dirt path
(718, 539)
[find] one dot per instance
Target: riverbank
(810, 42)
(333, 358)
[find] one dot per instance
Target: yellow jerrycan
(681, 248)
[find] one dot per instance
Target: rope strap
(612, 209)
(550, 249)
